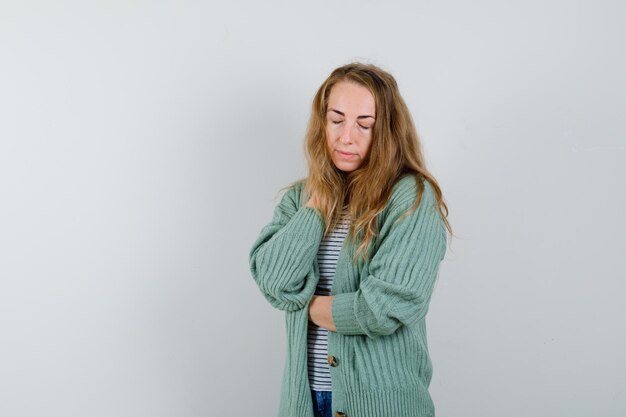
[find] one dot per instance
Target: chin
(346, 167)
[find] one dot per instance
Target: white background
(142, 145)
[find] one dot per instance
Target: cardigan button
(332, 361)
(340, 414)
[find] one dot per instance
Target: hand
(321, 311)
(312, 201)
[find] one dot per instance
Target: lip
(346, 155)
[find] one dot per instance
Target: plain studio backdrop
(143, 145)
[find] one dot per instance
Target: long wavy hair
(395, 151)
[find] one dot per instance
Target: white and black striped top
(319, 372)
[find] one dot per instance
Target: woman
(352, 254)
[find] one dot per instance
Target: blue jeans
(322, 403)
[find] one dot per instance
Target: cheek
(330, 132)
(367, 143)
(329, 136)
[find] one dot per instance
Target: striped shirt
(327, 255)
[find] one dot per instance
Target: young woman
(352, 254)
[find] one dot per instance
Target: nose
(346, 134)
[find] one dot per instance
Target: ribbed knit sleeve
(401, 273)
(283, 257)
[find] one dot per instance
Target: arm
(283, 257)
(402, 272)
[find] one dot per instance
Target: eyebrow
(365, 116)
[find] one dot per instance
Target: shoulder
(403, 215)
(290, 201)
(406, 190)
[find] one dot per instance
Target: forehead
(350, 97)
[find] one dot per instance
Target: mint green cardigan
(381, 364)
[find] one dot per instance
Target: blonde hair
(395, 151)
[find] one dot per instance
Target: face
(349, 124)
